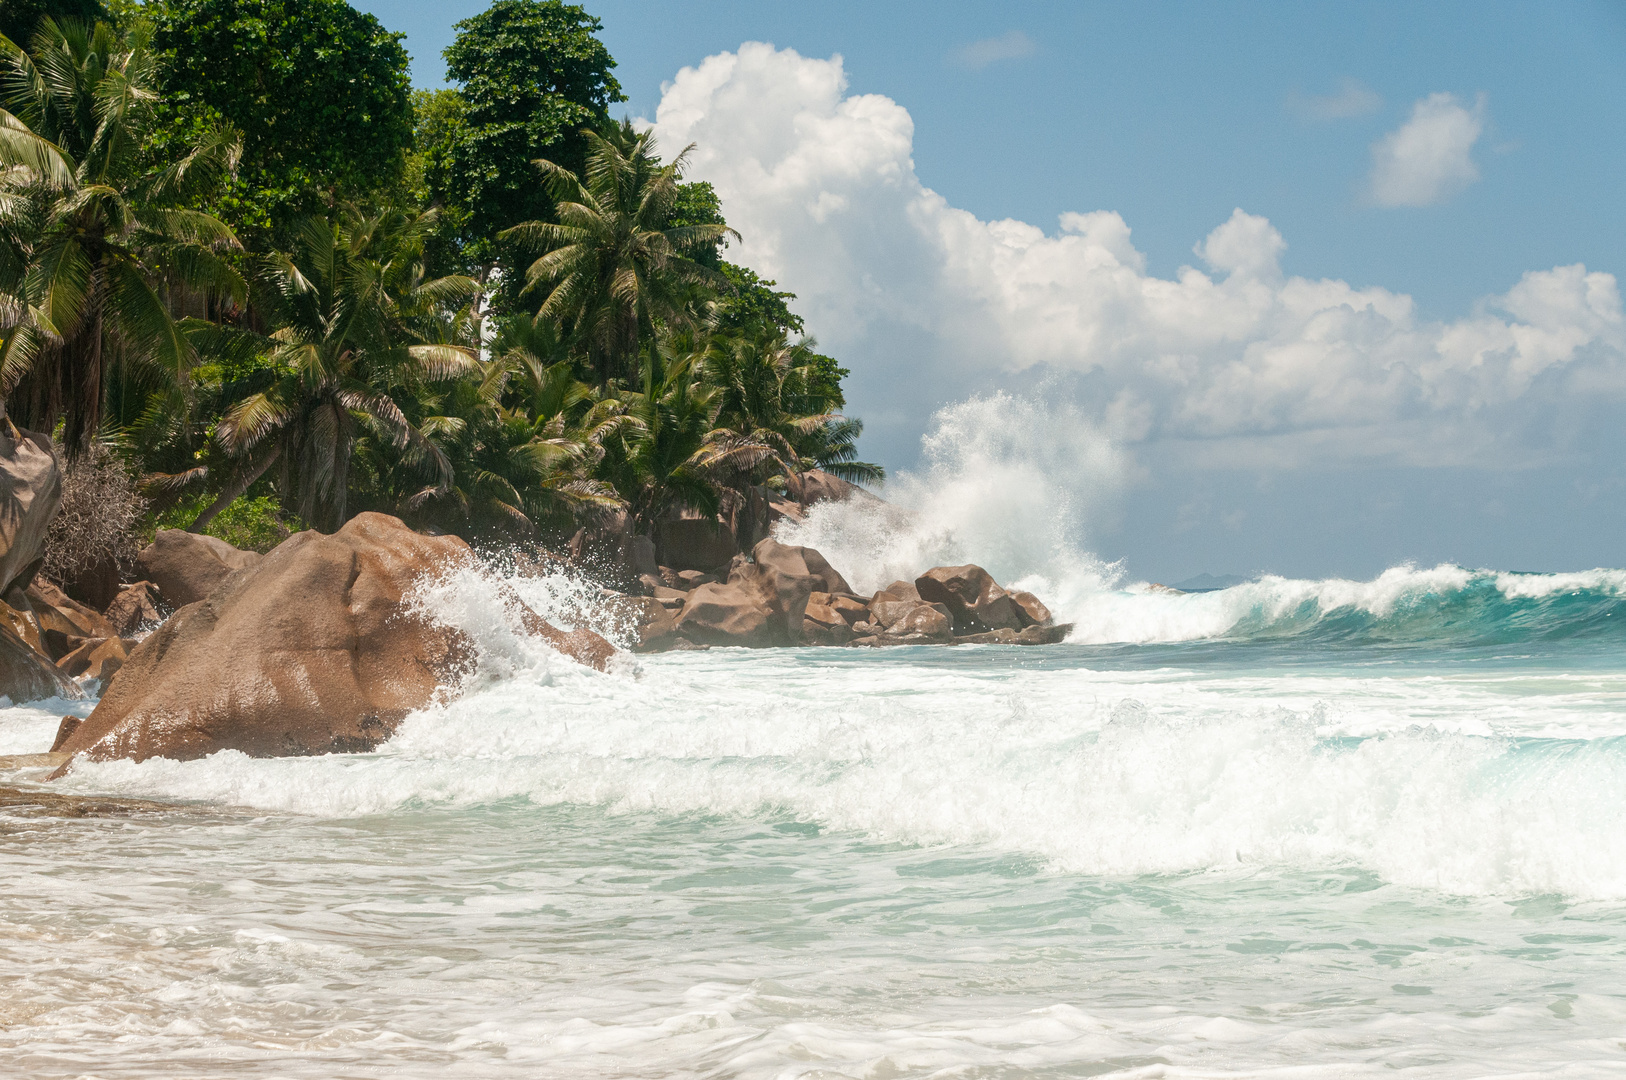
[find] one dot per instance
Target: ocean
(1290, 828)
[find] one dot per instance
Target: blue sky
(1173, 116)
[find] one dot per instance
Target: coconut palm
(766, 385)
(99, 240)
(342, 361)
(611, 269)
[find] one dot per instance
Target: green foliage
(532, 75)
(614, 267)
(697, 204)
(367, 350)
(319, 90)
(88, 229)
(20, 18)
(253, 524)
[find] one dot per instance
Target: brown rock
(815, 486)
(783, 579)
(186, 567)
(98, 658)
(23, 625)
(609, 547)
(972, 596)
(693, 542)
(1033, 612)
(849, 608)
(69, 725)
(134, 609)
(816, 633)
(731, 614)
(30, 497)
(902, 590)
(28, 675)
(906, 617)
(690, 580)
(61, 618)
(647, 622)
(1044, 635)
(310, 650)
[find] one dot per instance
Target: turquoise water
(1294, 828)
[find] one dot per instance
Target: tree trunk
(230, 493)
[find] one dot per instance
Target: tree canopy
(241, 258)
(319, 90)
(532, 77)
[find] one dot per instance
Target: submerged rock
(313, 649)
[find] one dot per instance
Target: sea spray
(1010, 483)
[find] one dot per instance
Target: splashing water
(1010, 484)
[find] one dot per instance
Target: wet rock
(62, 619)
(186, 567)
(1034, 613)
(823, 625)
(725, 614)
(648, 623)
(313, 649)
(901, 618)
(96, 658)
(899, 590)
(26, 674)
(69, 725)
(975, 600)
(134, 609)
(782, 579)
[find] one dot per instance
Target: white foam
(1093, 772)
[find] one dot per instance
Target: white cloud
(1243, 364)
(1012, 45)
(1354, 98)
(1429, 157)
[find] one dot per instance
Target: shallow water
(1335, 833)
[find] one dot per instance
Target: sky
(1310, 289)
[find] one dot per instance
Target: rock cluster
(787, 595)
(316, 647)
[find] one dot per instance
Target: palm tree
(612, 270)
(516, 470)
(340, 359)
(94, 232)
(766, 386)
(670, 454)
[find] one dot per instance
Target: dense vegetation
(243, 260)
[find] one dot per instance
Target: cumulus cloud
(1243, 364)
(1429, 157)
(1012, 45)
(1354, 98)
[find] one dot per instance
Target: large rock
(899, 618)
(815, 486)
(186, 566)
(975, 600)
(611, 549)
(26, 674)
(725, 614)
(311, 650)
(784, 578)
(1033, 610)
(693, 542)
(30, 497)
